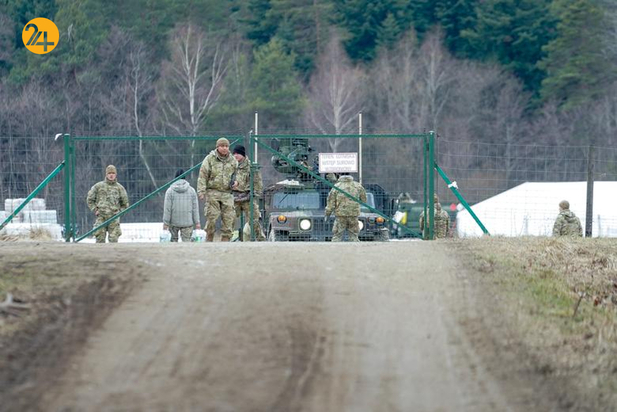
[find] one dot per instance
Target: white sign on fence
(338, 162)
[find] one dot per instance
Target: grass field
(560, 298)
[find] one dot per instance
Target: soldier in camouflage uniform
(106, 199)
(345, 209)
(214, 184)
(567, 224)
(442, 220)
(242, 192)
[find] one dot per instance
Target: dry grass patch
(34, 234)
(560, 296)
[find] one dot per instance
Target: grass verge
(560, 298)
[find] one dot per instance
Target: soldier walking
(106, 199)
(442, 220)
(181, 209)
(214, 185)
(567, 223)
(345, 209)
(242, 191)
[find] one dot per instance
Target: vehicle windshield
(296, 201)
(370, 200)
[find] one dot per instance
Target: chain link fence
(392, 167)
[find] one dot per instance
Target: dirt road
(289, 327)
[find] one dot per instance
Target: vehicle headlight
(361, 224)
(282, 219)
(305, 224)
(380, 220)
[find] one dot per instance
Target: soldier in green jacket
(567, 224)
(242, 192)
(442, 220)
(214, 185)
(106, 199)
(345, 209)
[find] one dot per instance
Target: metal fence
(388, 166)
(392, 165)
(516, 189)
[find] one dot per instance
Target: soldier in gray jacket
(181, 212)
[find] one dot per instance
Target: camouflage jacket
(342, 205)
(243, 177)
(442, 222)
(216, 173)
(567, 224)
(108, 198)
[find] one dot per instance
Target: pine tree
(364, 21)
(513, 32)
(455, 16)
(275, 91)
(389, 32)
(260, 27)
(577, 70)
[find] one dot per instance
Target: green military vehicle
(407, 214)
(295, 207)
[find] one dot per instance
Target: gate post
(68, 227)
(431, 185)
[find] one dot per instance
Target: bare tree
(436, 77)
(140, 85)
(195, 77)
(395, 86)
(335, 93)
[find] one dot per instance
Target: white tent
(530, 209)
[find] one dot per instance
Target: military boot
(210, 237)
(225, 238)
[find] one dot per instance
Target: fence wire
(516, 189)
(391, 166)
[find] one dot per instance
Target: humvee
(408, 214)
(295, 211)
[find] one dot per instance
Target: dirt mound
(63, 303)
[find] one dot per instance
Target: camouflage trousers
(185, 233)
(346, 223)
(245, 208)
(219, 204)
(113, 229)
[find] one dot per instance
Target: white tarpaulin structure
(530, 209)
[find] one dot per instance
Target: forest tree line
(504, 72)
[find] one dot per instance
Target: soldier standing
(442, 220)
(242, 191)
(106, 199)
(567, 224)
(345, 209)
(181, 209)
(214, 184)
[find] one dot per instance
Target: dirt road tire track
(291, 327)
